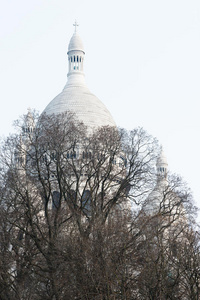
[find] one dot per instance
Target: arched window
(74, 58)
(20, 235)
(55, 200)
(71, 58)
(86, 202)
(77, 58)
(80, 59)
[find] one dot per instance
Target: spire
(162, 165)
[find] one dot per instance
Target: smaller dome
(75, 43)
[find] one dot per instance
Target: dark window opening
(55, 200)
(20, 235)
(86, 202)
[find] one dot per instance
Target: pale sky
(142, 61)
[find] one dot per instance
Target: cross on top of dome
(76, 25)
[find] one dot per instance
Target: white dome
(76, 97)
(86, 106)
(75, 43)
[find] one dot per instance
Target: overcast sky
(142, 61)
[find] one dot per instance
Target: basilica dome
(76, 97)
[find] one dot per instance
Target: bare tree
(72, 226)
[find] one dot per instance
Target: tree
(72, 224)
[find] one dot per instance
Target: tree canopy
(73, 223)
